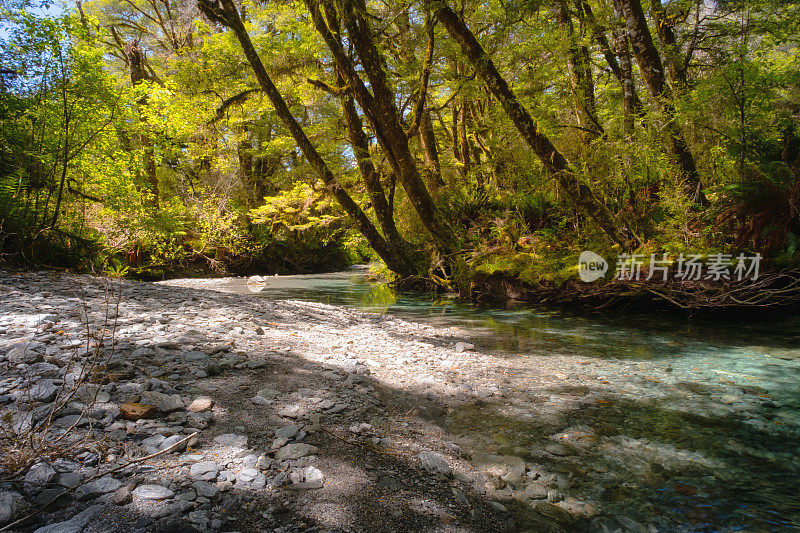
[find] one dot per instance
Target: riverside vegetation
(459, 145)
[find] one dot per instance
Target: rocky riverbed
(131, 406)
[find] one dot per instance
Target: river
(681, 423)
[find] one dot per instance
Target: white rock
(152, 492)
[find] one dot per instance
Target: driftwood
(777, 289)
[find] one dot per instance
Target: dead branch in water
(778, 289)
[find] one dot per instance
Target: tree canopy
(443, 138)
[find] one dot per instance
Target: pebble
(201, 404)
(152, 492)
(204, 470)
(231, 440)
(98, 487)
(435, 462)
(295, 451)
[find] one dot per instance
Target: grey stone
(152, 492)
(536, 491)
(459, 496)
(166, 403)
(75, 524)
(232, 440)
(269, 394)
(44, 391)
(188, 496)
(98, 487)
(171, 441)
(279, 443)
(291, 411)
(288, 432)
(38, 477)
(515, 470)
(199, 518)
(122, 495)
(250, 460)
(52, 498)
(205, 489)
(246, 475)
(12, 506)
(260, 400)
(204, 470)
(562, 449)
(312, 474)
(178, 508)
(70, 480)
(71, 420)
(295, 450)
(195, 356)
(435, 462)
(23, 353)
(154, 441)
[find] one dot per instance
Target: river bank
(299, 416)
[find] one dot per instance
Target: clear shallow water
(726, 392)
(521, 327)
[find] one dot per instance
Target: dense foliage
(141, 136)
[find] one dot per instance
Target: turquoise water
(519, 327)
(727, 391)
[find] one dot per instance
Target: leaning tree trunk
(135, 58)
(652, 70)
(551, 158)
(672, 52)
(613, 56)
(381, 110)
(225, 12)
(430, 151)
(370, 175)
(581, 76)
(421, 114)
(630, 102)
